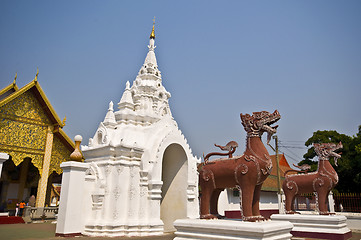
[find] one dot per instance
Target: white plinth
(70, 222)
(231, 229)
(317, 226)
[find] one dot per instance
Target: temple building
(32, 145)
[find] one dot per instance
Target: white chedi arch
(137, 158)
(173, 137)
(175, 168)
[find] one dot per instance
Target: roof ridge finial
(152, 35)
(16, 76)
(36, 76)
(64, 120)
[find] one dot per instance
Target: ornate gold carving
(25, 108)
(60, 154)
(22, 135)
(18, 157)
(23, 129)
(22, 140)
(21, 119)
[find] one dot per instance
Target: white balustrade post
(281, 205)
(70, 220)
(331, 202)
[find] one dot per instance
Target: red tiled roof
(57, 189)
(271, 183)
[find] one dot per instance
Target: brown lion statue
(246, 172)
(320, 182)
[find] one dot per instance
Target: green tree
(349, 165)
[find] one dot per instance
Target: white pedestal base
(231, 229)
(317, 226)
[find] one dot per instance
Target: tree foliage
(349, 165)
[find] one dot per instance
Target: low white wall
(228, 202)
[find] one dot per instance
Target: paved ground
(44, 231)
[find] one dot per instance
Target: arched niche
(174, 189)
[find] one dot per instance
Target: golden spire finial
(76, 155)
(152, 35)
(36, 76)
(16, 76)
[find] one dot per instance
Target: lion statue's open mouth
(260, 122)
(326, 150)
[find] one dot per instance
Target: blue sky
(218, 59)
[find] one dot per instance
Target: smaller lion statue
(320, 182)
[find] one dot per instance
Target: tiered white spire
(146, 101)
(110, 117)
(126, 101)
(151, 55)
(150, 66)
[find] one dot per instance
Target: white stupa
(139, 173)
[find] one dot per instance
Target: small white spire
(150, 58)
(110, 117)
(111, 106)
(127, 100)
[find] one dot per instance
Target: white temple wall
(228, 202)
(114, 187)
(155, 195)
(268, 200)
(143, 198)
(154, 136)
